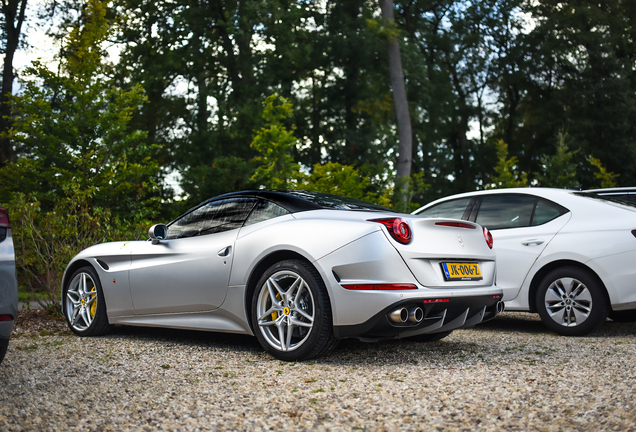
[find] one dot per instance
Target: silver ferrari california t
(299, 270)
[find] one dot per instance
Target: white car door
(522, 226)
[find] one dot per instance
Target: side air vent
(102, 264)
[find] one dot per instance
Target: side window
(505, 211)
(448, 209)
(546, 211)
(213, 217)
(264, 210)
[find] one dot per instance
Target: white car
(568, 255)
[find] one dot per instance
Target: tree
(82, 175)
(507, 175)
(606, 178)
(73, 125)
(577, 74)
(13, 14)
(403, 165)
(558, 170)
(275, 144)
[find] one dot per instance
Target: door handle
(225, 251)
(532, 241)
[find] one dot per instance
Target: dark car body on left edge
(8, 283)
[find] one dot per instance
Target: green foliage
(558, 170)
(275, 143)
(224, 174)
(73, 126)
(418, 185)
(82, 176)
(607, 179)
(344, 180)
(470, 63)
(278, 170)
(46, 240)
(506, 170)
(335, 178)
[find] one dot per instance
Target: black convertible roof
(301, 200)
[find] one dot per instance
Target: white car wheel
(571, 301)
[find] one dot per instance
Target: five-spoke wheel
(291, 313)
(84, 306)
(571, 301)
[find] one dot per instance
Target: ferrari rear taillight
(6, 318)
(488, 237)
(456, 224)
(380, 287)
(4, 219)
(397, 227)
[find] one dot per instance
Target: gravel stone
(510, 373)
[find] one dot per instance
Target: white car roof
(570, 199)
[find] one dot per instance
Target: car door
(189, 271)
(522, 226)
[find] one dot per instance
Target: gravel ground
(510, 373)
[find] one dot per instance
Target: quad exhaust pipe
(414, 315)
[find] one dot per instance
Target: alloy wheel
(81, 301)
(286, 311)
(568, 301)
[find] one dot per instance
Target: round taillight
(488, 237)
(398, 228)
(402, 231)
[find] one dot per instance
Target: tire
(572, 301)
(429, 337)
(84, 305)
(291, 313)
(626, 316)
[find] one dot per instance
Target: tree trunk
(13, 12)
(405, 145)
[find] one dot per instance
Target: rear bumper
(458, 312)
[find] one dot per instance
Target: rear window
(329, 201)
(610, 199)
(448, 209)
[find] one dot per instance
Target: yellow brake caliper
(94, 304)
(275, 314)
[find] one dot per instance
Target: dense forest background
(233, 94)
(533, 74)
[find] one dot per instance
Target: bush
(45, 241)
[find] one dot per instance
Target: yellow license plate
(461, 271)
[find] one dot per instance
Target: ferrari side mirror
(157, 233)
